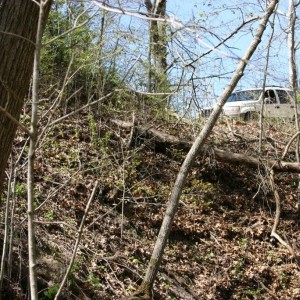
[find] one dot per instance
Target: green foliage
(199, 190)
(284, 278)
(252, 293)
(298, 97)
(208, 256)
(243, 243)
(93, 128)
(50, 293)
(93, 281)
(130, 288)
(49, 215)
(20, 189)
(74, 56)
(74, 269)
(135, 261)
(238, 268)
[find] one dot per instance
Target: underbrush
(219, 245)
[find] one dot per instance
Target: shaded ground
(220, 245)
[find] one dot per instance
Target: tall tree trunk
(31, 154)
(261, 115)
(144, 291)
(18, 26)
(293, 75)
(158, 44)
(292, 62)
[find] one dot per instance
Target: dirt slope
(220, 245)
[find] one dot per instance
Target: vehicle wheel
(247, 116)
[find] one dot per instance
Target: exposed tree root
(277, 216)
(143, 293)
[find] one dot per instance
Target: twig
(137, 14)
(17, 36)
(73, 28)
(54, 223)
(12, 118)
(77, 241)
(132, 133)
(80, 109)
(6, 230)
(289, 144)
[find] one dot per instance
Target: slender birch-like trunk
(31, 154)
(261, 115)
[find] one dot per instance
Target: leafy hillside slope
(220, 245)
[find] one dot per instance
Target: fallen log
(167, 140)
(276, 165)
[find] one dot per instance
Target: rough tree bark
(291, 45)
(292, 63)
(18, 26)
(145, 290)
(158, 44)
(293, 74)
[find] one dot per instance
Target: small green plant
(270, 255)
(284, 278)
(252, 293)
(135, 261)
(243, 243)
(203, 186)
(130, 288)
(49, 215)
(298, 97)
(20, 189)
(238, 268)
(93, 281)
(105, 139)
(77, 132)
(199, 190)
(50, 293)
(208, 256)
(74, 269)
(93, 128)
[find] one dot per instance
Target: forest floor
(220, 245)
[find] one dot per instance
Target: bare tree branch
(18, 36)
(145, 289)
(75, 26)
(22, 127)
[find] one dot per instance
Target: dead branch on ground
(165, 140)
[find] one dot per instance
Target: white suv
(244, 103)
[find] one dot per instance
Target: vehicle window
(232, 98)
(284, 96)
(244, 96)
(270, 97)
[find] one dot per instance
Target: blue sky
(222, 18)
(212, 73)
(226, 20)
